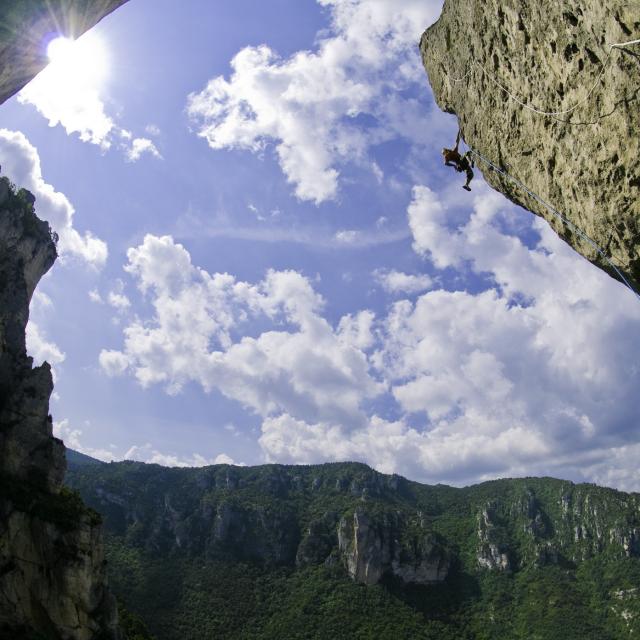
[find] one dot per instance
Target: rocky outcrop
(345, 516)
(27, 27)
(492, 553)
(550, 56)
(52, 568)
(371, 547)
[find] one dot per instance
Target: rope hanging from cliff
(603, 68)
(558, 215)
(619, 45)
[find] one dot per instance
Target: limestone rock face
(27, 251)
(27, 27)
(372, 547)
(491, 553)
(550, 56)
(52, 569)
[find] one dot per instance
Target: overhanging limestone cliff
(52, 568)
(26, 27)
(550, 56)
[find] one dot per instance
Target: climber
(452, 158)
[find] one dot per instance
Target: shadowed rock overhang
(497, 64)
(26, 28)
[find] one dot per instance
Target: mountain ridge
(315, 529)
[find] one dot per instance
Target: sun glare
(82, 61)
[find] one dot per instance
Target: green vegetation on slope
(254, 553)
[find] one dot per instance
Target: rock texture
(550, 55)
(372, 548)
(27, 26)
(373, 525)
(52, 568)
(225, 545)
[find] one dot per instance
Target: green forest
(257, 553)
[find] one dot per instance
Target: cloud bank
(536, 373)
(312, 105)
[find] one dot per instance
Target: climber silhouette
(452, 158)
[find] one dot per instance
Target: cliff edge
(52, 567)
(496, 64)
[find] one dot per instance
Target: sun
(81, 62)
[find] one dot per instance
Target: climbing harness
(558, 215)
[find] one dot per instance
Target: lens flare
(60, 49)
(81, 62)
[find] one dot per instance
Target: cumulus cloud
(67, 91)
(41, 349)
(311, 104)
(347, 236)
(532, 371)
(535, 374)
(538, 367)
(395, 447)
(396, 282)
(70, 92)
(21, 163)
(140, 146)
(198, 333)
(94, 296)
(72, 439)
(113, 363)
(357, 330)
(147, 453)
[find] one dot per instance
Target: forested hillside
(341, 551)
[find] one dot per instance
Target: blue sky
(263, 258)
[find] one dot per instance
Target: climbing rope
(558, 215)
(534, 196)
(619, 45)
(603, 68)
(541, 112)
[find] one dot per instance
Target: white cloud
(67, 92)
(393, 281)
(347, 236)
(21, 163)
(94, 296)
(113, 363)
(309, 103)
(377, 172)
(72, 440)
(40, 349)
(394, 447)
(532, 371)
(357, 330)
(542, 364)
(118, 300)
(301, 366)
(147, 453)
(535, 375)
(70, 92)
(140, 146)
